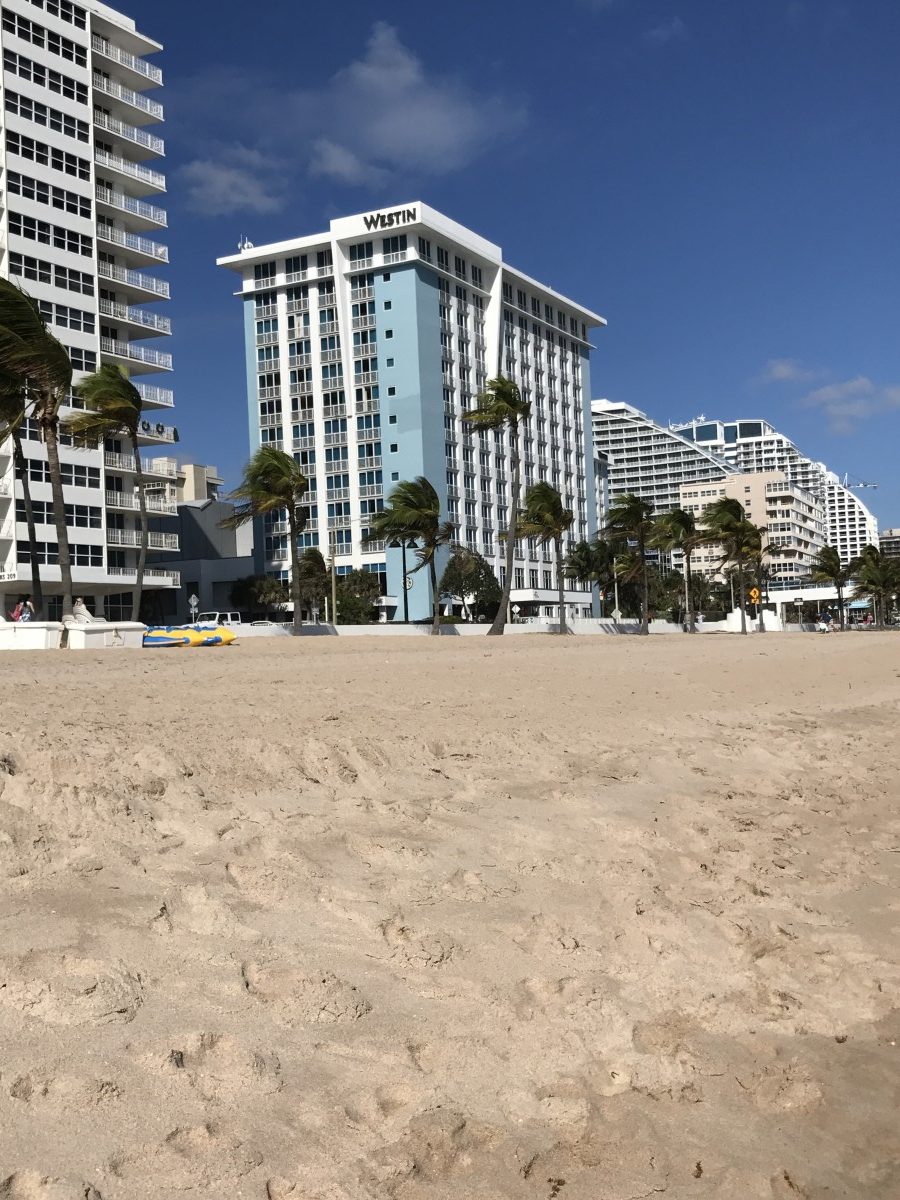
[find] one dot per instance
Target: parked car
(219, 618)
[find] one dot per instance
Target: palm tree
(413, 512)
(630, 519)
(501, 406)
(545, 519)
(113, 409)
(273, 482)
(828, 568)
(878, 578)
(725, 523)
(593, 563)
(12, 417)
(39, 366)
(677, 530)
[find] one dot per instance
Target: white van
(219, 618)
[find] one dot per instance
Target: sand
(525, 918)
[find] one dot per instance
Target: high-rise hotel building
(365, 346)
(80, 227)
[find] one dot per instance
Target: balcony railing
(135, 353)
(295, 306)
(130, 133)
(295, 276)
(110, 88)
(162, 397)
(138, 208)
(137, 279)
(366, 322)
(370, 491)
(363, 293)
(114, 162)
(131, 241)
(367, 406)
(132, 537)
(326, 327)
(117, 54)
(365, 377)
(331, 356)
(397, 256)
(136, 316)
(157, 431)
(129, 501)
(173, 578)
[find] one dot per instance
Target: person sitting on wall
(81, 613)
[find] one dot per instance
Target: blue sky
(719, 179)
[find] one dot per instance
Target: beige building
(187, 482)
(889, 542)
(793, 518)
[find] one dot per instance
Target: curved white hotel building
(366, 344)
(81, 223)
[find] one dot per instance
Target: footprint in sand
(65, 1091)
(62, 989)
(31, 1185)
(219, 1066)
(193, 910)
(417, 949)
(296, 997)
(197, 1156)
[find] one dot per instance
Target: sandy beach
(474, 919)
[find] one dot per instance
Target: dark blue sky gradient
(719, 179)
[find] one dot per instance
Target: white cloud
(787, 370)
(237, 179)
(673, 30)
(846, 403)
(382, 117)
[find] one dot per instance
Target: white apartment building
(851, 526)
(365, 346)
(757, 446)
(648, 459)
(80, 224)
(889, 540)
(794, 521)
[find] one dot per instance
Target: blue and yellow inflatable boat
(163, 636)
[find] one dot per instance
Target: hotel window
(443, 258)
(476, 276)
(459, 266)
(360, 250)
(393, 245)
(264, 272)
(425, 249)
(519, 577)
(323, 258)
(293, 266)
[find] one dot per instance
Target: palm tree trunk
(645, 599)
(840, 596)
(562, 586)
(297, 626)
(499, 621)
(435, 598)
(692, 624)
(880, 602)
(761, 625)
(37, 591)
(740, 570)
(49, 425)
(145, 535)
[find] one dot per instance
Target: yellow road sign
(754, 594)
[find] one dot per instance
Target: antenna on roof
(244, 243)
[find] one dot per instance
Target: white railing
(366, 349)
(130, 501)
(294, 389)
(295, 276)
(110, 88)
(172, 577)
(129, 132)
(117, 54)
(365, 377)
(321, 272)
(157, 431)
(331, 356)
(336, 439)
(369, 491)
(294, 306)
(268, 364)
(115, 162)
(163, 397)
(138, 208)
(397, 256)
(131, 241)
(363, 293)
(367, 406)
(373, 460)
(118, 462)
(304, 443)
(136, 316)
(366, 322)
(338, 494)
(330, 411)
(132, 537)
(138, 279)
(160, 466)
(299, 360)
(326, 327)
(267, 339)
(136, 353)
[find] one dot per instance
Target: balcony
(294, 306)
(150, 110)
(365, 377)
(132, 537)
(128, 502)
(147, 74)
(373, 460)
(366, 322)
(152, 467)
(367, 406)
(328, 327)
(363, 293)
(130, 134)
(144, 248)
(299, 360)
(132, 171)
(397, 256)
(151, 575)
(336, 439)
(155, 397)
(150, 360)
(360, 264)
(324, 272)
(151, 433)
(139, 317)
(295, 276)
(371, 491)
(303, 443)
(295, 389)
(330, 411)
(134, 279)
(331, 356)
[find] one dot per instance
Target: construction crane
(860, 483)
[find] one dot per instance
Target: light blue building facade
(366, 345)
